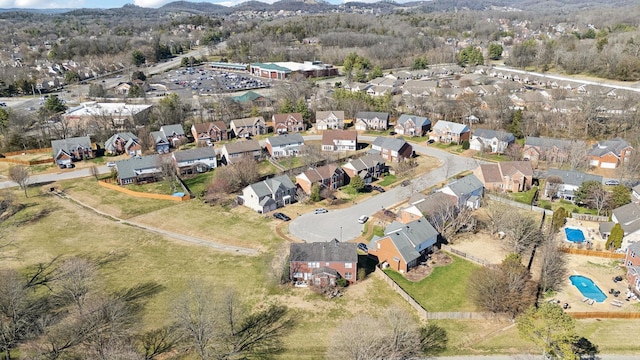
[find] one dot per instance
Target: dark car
(430, 141)
(363, 247)
(392, 132)
(378, 188)
(281, 216)
(406, 182)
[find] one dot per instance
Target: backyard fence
(465, 255)
(30, 151)
(520, 205)
(27, 162)
(589, 217)
(422, 312)
(604, 315)
(143, 195)
(586, 252)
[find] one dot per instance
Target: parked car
(320, 211)
(612, 182)
(363, 219)
(111, 164)
(363, 247)
(430, 141)
(281, 216)
(405, 182)
(378, 188)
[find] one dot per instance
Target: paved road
(342, 224)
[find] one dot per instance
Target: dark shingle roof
(285, 139)
(195, 154)
(629, 217)
(69, 144)
(547, 143)
(127, 168)
(372, 115)
(575, 178)
(169, 130)
(391, 143)
(490, 134)
(271, 185)
(333, 250)
(242, 146)
(615, 146)
(407, 237)
(466, 185)
(420, 121)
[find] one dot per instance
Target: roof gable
(331, 251)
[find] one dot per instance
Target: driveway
(343, 224)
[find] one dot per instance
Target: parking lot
(203, 81)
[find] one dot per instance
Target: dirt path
(181, 237)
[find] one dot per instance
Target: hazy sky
(53, 4)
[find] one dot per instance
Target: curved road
(342, 224)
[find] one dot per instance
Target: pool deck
(590, 231)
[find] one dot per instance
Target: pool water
(574, 235)
(588, 288)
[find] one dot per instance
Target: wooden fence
(30, 151)
(462, 254)
(422, 312)
(589, 217)
(604, 315)
(143, 195)
(602, 254)
(27, 162)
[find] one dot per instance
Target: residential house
(235, 151)
(411, 125)
(370, 120)
(628, 216)
(210, 132)
(321, 264)
(123, 143)
(248, 127)
(548, 149)
(161, 143)
(491, 140)
(284, 145)
(66, 151)
(168, 136)
(369, 167)
(287, 123)
(252, 98)
(513, 176)
(420, 205)
(138, 170)
(610, 154)
(632, 263)
(468, 191)
(329, 120)
(339, 140)
(571, 181)
(449, 132)
(330, 176)
(403, 244)
(269, 194)
(392, 149)
(196, 160)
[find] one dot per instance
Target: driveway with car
(342, 224)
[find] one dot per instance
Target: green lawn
(493, 157)
(445, 289)
(199, 183)
(525, 197)
(388, 180)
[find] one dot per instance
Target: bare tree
(168, 171)
(74, 280)
(522, 232)
(553, 271)
(17, 317)
(449, 220)
(598, 198)
(20, 174)
(553, 186)
(578, 158)
(94, 171)
(147, 143)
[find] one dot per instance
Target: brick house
(632, 263)
(322, 263)
(402, 245)
(235, 151)
(66, 151)
(392, 149)
(329, 120)
(548, 149)
(287, 123)
(411, 125)
(370, 120)
(610, 154)
(210, 131)
(123, 143)
(330, 176)
(339, 140)
(513, 176)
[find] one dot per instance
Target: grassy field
(444, 290)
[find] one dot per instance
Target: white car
(612, 182)
(111, 164)
(363, 219)
(320, 211)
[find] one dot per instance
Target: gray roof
(271, 185)
(407, 237)
(242, 146)
(195, 154)
(127, 136)
(615, 146)
(391, 143)
(366, 162)
(285, 139)
(372, 115)
(635, 247)
(629, 217)
(420, 121)
(572, 177)
(158, 137)
(636, 189)
(67, 145)
(456, 128)
(547, 143)
(333, 250)
(490, 134)
(127, 168)
(169, 130)
(466, 185)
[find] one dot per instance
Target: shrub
(362, 273)
(465, 145)
(342, 282)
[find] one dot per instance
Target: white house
(491, 140)
(467, 190)
(196, 160)
(269, 194)
(326, 120)
(571, 181)
(284, 144)
(339, 140)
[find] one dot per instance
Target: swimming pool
(574, 235)
(588, 288)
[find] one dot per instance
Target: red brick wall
(340, 267)
(386, 252)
